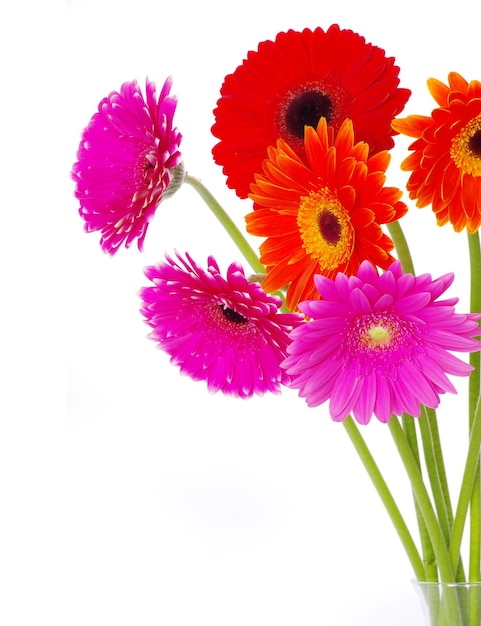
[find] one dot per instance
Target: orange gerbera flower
(295, 80)
(446, 158)
(322, 216)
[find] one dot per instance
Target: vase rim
(427, 583)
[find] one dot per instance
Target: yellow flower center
(325, 229)
(466, 148)
(377, 335)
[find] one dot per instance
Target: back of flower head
(128, 161)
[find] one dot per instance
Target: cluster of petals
(446, 158)
(322, 215)
(225, 331)
(295, 80)
(379, 344)
(125, 163)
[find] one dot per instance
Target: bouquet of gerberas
(304, 128)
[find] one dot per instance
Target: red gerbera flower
(446, 162)
(295, 80)
(323, 216)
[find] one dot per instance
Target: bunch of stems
(440, 525)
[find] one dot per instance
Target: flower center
(147, 178)
(226, 326)
(232, 316)
(325, 229)
(466, 148)
(304, 105)
(378, 335)
(381, 340)
(329, 227)
(306, 109)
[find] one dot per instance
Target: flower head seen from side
(323, 216)
(379, 344)
(295, 80)
(128, 160)
(446, 158)
(225, 331)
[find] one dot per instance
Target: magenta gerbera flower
(226, 331)
(126, 162)
(379, 344)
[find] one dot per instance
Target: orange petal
(439, 91)
(412, 125)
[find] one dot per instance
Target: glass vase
(450, 604)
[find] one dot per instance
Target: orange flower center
(325, 228)
(466, 148)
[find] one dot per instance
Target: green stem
(232, 230)
(467, 484)
(404, 256)
(474, 394)
(423, 500)
(386, 496)
(429, 559)
(402, 248)
(436, 470)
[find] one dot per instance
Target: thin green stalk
(423, 500)
(474, 394)
(404, 256)
(402, 248)
(429, 558)
(386, 496)
(467, 485)
(436, 470)
(232, 230)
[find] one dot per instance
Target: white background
(128, 495)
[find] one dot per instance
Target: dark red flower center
(474, 143)
(233, 316)
(329, 227)
(306, 109)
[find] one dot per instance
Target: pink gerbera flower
(379, 344)
(126, 162)
(226, 331)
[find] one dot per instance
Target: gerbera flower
(226, 331)
(446, 158)
(128, 161)
(379, 344)
(295, 80)
(322, 216)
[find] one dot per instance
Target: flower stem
(385, 495)
(436, 469)
(404, 256)
(467, 485)
(429, 558)
(231, 229)
(423, 500)
(402, 248)
(474, 395)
